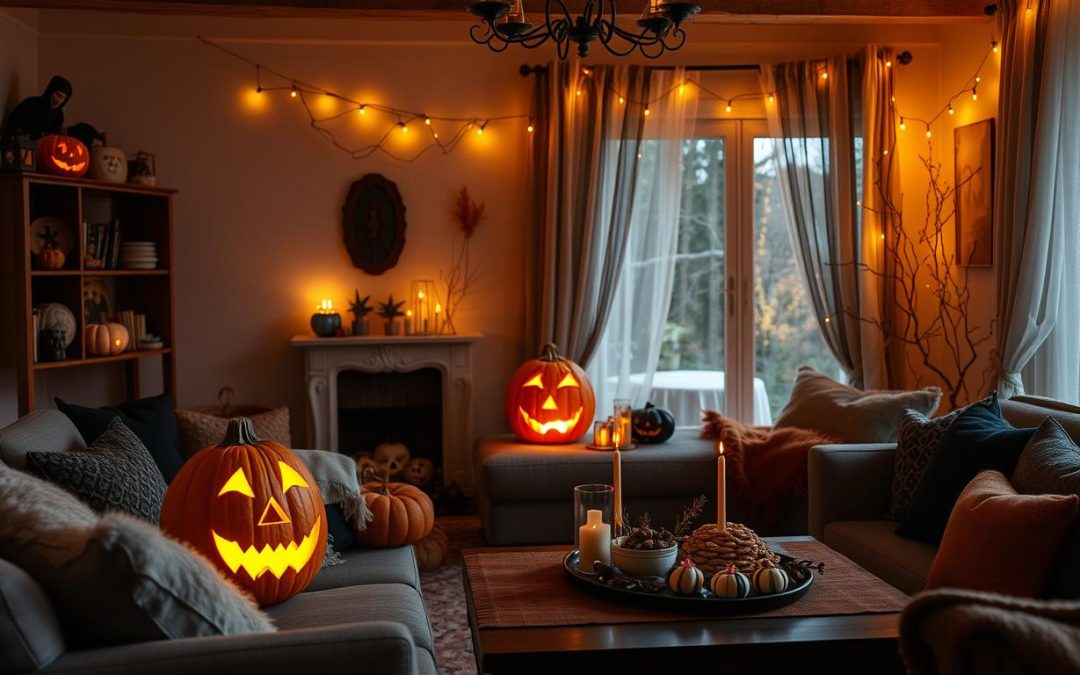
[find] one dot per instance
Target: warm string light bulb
(729, 105)
(480, 129)
(682, 89)
(951, 110)
(903, 125)
(888, 64)
(530, 129)
(772, 99)
(579, 92)
(362, 110)
(928, 132)
(621, 100)
(994, 46)
(974, 93)
(824, 74)
(292, 93)
(427, 120)
(646, 111)
(404, 127)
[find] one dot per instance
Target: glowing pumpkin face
(62, 155)
(253, 509)
(550, 400)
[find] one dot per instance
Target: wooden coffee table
(855, 643)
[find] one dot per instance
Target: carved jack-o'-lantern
(419, 471)
(62, 155)
(391, 458)
(652, 425)
(108, 164)
(550, 400)
(254, 510)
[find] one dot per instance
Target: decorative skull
(419, 471)
(391, 457)
(108, 164)
(367, 468)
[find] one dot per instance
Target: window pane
(786, 333)
(694, 335)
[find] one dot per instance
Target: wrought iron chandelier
(503, 23)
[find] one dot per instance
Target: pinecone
(713, 550)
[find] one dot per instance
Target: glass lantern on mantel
(426, 309)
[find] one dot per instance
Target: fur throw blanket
(766, 467)
(954, 632)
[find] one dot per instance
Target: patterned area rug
(444, 595)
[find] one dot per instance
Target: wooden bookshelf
(144, 214)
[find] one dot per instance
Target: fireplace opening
(391, 423)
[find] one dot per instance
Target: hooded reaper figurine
(39, 116)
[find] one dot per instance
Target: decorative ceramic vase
(325, 325)
(392, 327)
(360, 327)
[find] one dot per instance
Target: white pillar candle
(617, 482)
(594, 541)
(721, 489)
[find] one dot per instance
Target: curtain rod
(527, 70)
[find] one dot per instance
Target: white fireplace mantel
(451, 355)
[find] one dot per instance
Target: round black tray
(704, 602)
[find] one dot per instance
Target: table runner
(530, 589)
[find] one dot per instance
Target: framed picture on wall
(974, 148)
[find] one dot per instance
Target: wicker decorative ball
(713, 550)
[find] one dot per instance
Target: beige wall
(258, 234)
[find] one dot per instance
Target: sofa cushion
(152, 419)
(399, 603)
(1050, 464)
(30, 635)
(41, 431)
(902, 562)
(1000, 541)
(978, 439)
(199, 429)
(370, 566)
(116, 473)
(821, 403)
(1030, 411)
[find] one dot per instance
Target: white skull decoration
(108, 164)
(367, 468)
(419, 471)
(391, 457)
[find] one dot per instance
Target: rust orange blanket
(766, 467)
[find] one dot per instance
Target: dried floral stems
(461, 275)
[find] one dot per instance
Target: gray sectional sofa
(850, 488)
(366, 614)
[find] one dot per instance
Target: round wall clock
(374, 222)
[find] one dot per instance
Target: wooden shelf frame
(145, 211)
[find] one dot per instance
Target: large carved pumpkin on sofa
(254, 510)
(550, 400)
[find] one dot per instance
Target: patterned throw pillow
(916, 439)
(116, 473)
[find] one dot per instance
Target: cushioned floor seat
(399, 603)
(370, 566)
(873, 544)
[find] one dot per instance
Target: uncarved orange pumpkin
(254, 510)
(550, 400)
(62, 155)
(107, 338)
(402, 514)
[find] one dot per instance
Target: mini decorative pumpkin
(103, 339)
(431, 550)
(686, 578)
(108, 164)
(419, 471)
(392, 457)
(50, 258)
(54, 316)
(402, 514)
(769, 579)
(652, 425)
(730, 583)
(550, 400)
(253, 509)
(62, 155)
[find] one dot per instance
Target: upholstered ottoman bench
(526, 492)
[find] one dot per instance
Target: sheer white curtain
(629, 350)
(1037, 198)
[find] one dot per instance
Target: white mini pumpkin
(770, 579)
(108, 164)
(730, 583)
(686, 578)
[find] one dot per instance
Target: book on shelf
(136, 327)
(37, 331)
(102, 245)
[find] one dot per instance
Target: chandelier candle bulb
(594, 541)
(616, 462)
(721, 489)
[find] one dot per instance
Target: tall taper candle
(721, 489)
(617, 482)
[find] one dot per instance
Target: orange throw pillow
(1001, 541)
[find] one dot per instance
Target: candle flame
(720, 448)
(438, 308)
(326, 306)
(408, 313)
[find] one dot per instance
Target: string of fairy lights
(398, 120)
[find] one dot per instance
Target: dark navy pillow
(979, 439)
(152, 419)
(338, 528)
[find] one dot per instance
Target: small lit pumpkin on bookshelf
(105, 339)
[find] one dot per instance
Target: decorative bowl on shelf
(646, 563)
(152, 343)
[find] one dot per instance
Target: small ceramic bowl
(656, 563)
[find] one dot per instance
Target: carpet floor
(444, 596)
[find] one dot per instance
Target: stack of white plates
(138, 255)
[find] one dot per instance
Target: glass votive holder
(602, 434)
(623, 414)
(594, 507)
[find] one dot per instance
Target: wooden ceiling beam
(788, 9)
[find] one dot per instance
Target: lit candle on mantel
(408, 322)
(594, 541)
(721, 488)
(616, 470)
(438, 318)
